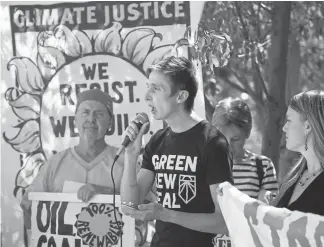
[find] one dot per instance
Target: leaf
(28, 76)
(138, 43)
(27, 140)
(109, 40)
(156, 55)
(29, 170)
(84, 41)
(49, 60)
(73, 43)
(25, 106)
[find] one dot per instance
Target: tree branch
(255, 65)
(263, 86)
(242, 80)
(234, 85)
(262, 5)
(249, 90)
(245, 31)
(258, 20)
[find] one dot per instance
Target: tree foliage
(250, 24)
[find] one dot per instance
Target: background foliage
(252, 27)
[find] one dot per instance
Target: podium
(62, 220)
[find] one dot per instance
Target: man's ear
(182, 96)
(110, 124)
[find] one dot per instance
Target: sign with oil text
(63, 220)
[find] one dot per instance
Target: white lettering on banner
(251, 223)
(179, 12)
(112, 13)
(67, 17)
(78, 11)
(91, 14)
(90, 72)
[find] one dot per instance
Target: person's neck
(182, 121)
(240, 155)
(313, 163)
(91, 148)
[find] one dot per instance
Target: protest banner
(60, 219)
(71, 47)
(58, 49)
(252, 223)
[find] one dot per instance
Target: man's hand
(151, 211)
(86, 192)
(135, 135)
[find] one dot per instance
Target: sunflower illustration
(56, 49)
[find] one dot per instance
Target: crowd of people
(187, 160)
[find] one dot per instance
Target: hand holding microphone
(133, 134)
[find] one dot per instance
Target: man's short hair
(182, 75)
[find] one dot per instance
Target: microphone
(140, 119)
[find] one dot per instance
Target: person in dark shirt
(302, 187)
(187, 160)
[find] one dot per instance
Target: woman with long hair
(302, 188)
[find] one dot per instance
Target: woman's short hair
(310, 105)
(233, 111)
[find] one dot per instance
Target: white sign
(60, 219)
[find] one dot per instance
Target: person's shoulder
(57, 158)
(59, 155)
(212, 134)
(254, 156)
(110, 153)
(111, 149)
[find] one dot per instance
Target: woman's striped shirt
(246, 178)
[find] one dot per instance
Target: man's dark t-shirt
(185, 164)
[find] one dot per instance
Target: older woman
(253, 174)
(302, 188)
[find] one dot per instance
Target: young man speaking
(187, 160)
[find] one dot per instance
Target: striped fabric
(246, 178)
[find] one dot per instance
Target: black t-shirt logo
(176, 180)
(187, 188)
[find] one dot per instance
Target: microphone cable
(114, 201)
